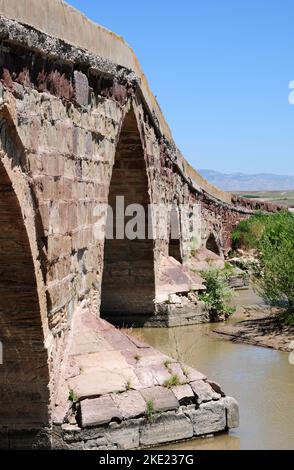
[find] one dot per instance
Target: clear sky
(220, 70)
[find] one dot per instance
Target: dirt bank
(258, 325)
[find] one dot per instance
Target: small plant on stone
(185, 372)
(72, 396)
(167, 364)
(173, 381)
(128, 384)
(150, 409)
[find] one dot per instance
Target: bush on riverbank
(248, 232)
(273, 238)
(217, 294)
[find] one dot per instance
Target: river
(261, 380)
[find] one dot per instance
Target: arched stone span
(128, 285)
(24, 374)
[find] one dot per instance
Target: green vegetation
(150, 409)
(173, 381)
(167, 363)
(218, 293)
(128, 384)
(185, 372)
(72, 396)
(248, 232)
(273, 238)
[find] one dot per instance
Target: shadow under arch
(174, 247)
(212, 245)
(128, 284)
(24, 374)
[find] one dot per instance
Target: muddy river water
(261, 379)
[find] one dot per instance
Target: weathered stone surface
(124, 436)
(145, 377)
(232, 409)
(97, 411)
(130, 403)
(98, 382)
(166, 428)
(209, 418)
(175, 368)
(107, 360)
(81, 88)
(203, 391)
(163, 399)
(184, 394)
(160, 373)
(193, 374)
(216, 387)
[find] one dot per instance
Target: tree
(217, 294)
(274, 273)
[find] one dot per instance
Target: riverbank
(258, 325)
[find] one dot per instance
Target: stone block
(103, 359)
(160, 373)
(216, 387)
(163, 399)
(203, 391)
(97, 382)
(209, 418)
(176, 368)
(193, 374)
(232, 409)
(81, 88)
(130, 403)
(165, 428)
(145, 377)
(124, 435)
(97, 411)
(184, 394)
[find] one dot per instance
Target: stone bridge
(79, 126)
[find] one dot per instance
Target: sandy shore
(258, 325)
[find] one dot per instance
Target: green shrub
(274, 274)
(218, 293)
(248, 232)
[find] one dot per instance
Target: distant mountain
(246, 182)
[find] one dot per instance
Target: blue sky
(220, 71)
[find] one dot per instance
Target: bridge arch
(128, 284)
(212, 244)
(24, 374)
(174, 248)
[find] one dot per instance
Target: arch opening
(174, 247)
(128, 284)
(24, 375)
(211, 245)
